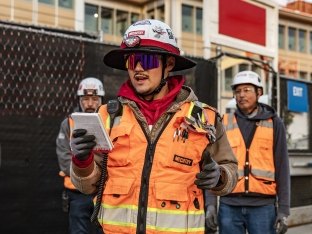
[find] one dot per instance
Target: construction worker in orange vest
(78, 205)
(260, 202)
(168, 146)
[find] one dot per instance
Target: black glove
(281, 223)
(82, 144)
(211, 218)
(208, 178)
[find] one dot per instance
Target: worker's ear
(170, 63)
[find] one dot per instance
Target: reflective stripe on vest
(174, 204)
(260, 168)
(166, 220)
(67, 181)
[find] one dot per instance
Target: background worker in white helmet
(79, 206)
(168, 146)
(260, 202)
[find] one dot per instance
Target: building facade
(295, 40)
(204, 28)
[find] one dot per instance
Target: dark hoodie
(281, 161)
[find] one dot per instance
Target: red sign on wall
(242, 20)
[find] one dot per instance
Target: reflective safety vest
(67, 181)
(255, 165)
(150, 186)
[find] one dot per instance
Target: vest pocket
(118, 213)
(177, 202)
(171, 201)
(120, 136)
(186, 154)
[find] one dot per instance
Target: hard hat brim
(116, 58)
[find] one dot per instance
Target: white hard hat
(247, 77)
(91, 86)
(151, 36)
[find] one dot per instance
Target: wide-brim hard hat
(148, 36)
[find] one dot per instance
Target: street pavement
(302, 229)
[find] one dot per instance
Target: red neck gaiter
(152, 110)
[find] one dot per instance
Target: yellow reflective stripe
(190, 110)
(176, 212)
(158, 219)
(107, 122)
(122, 224)
(202, 106)
(183, 230)
(263, 173)
(240, 173)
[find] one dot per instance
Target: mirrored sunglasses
(147, 61)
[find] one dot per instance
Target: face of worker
(90, 103)
(146, 80)
(247, 96)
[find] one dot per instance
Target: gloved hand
(281, 223)
(82, 144)
(208, 178)
(211, 218)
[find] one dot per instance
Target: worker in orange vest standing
(167, 146)
(78, 205)
(260, 202)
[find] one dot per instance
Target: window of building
(256, 69)
(192, 19)
(303, 75)
(292, 39)
(107, 20)
(228, 77)
(134, 17)
(281, 37)
(282, 71)
(151, 14)
(91, 18)
(51, 2)
(66, 3)
(121, 23)
(199, 21)
(161, 13)
(243, 67)
(302, 40)
(187, 18)
(292, 73)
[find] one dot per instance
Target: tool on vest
(203, 123)
(114, 109)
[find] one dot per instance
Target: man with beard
(79, 206)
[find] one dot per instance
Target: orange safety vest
(173, 203)
(256, 165)
(67, 181)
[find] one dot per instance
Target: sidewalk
(302, 229)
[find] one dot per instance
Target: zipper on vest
(146, 172)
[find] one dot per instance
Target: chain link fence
(40, 71)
